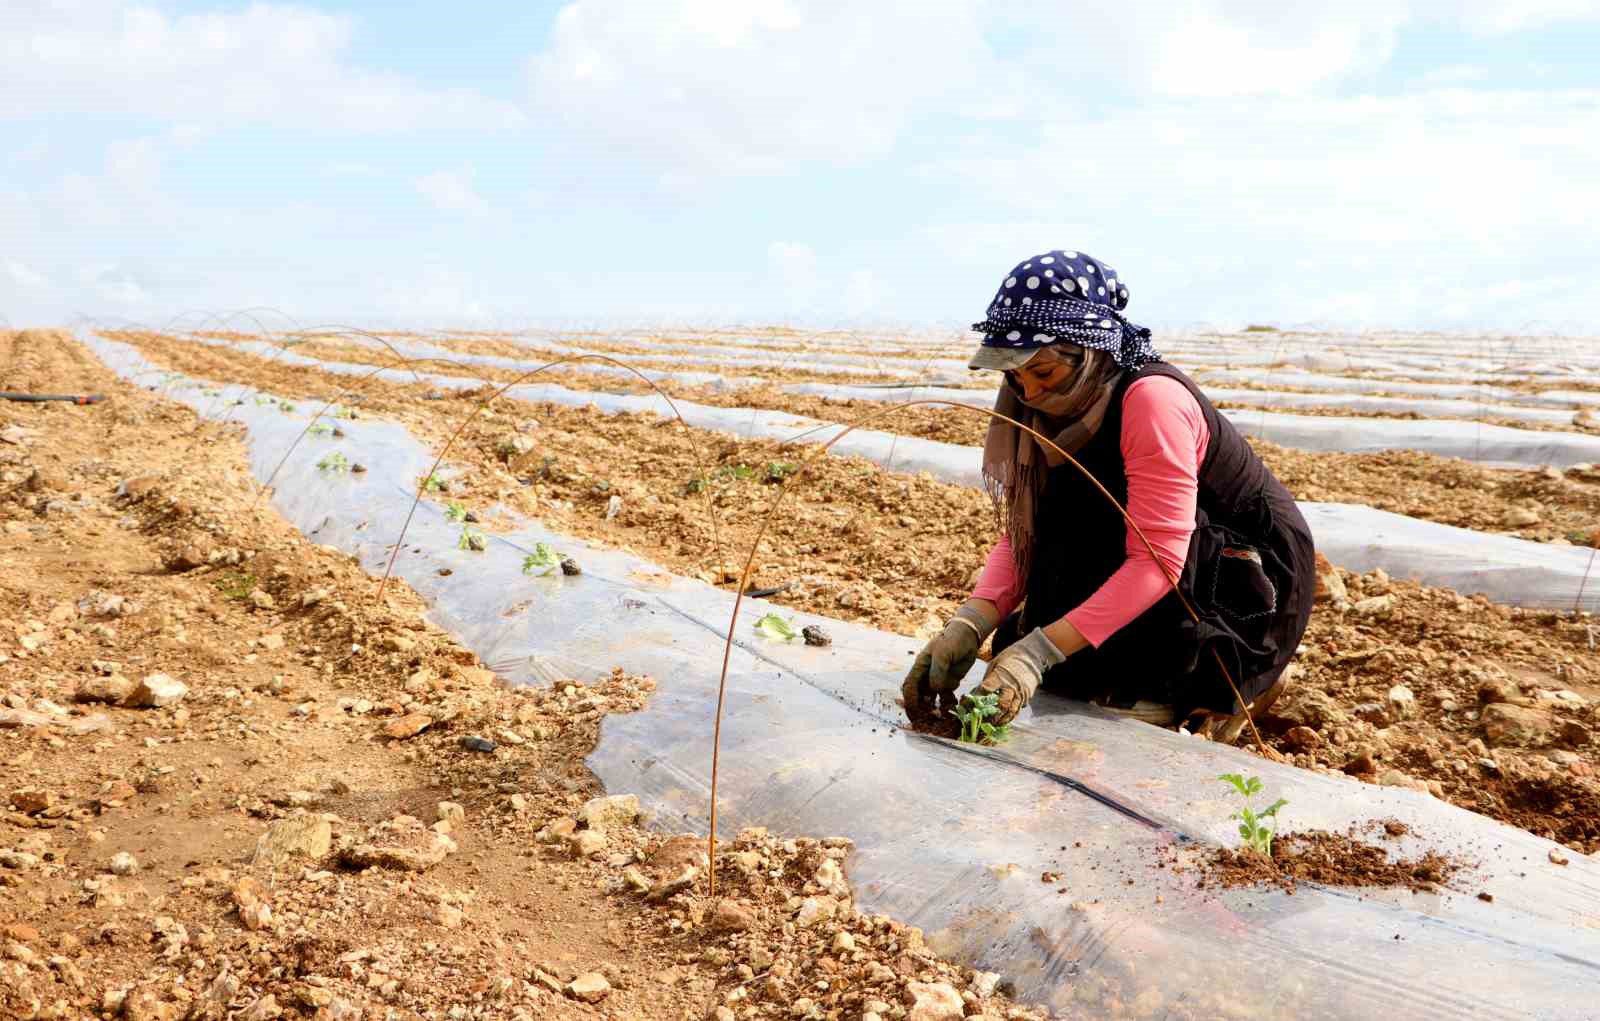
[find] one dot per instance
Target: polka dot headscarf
(1066, 296)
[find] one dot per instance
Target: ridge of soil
(1325, 858)
(1489, 707)
(333, 810)
(1539, 504)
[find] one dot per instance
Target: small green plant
(455, 511)
(775, 627)
(334, 462)
(285, 406)
(320, 429)
(541, 561)
(433, 484)
(236, 585)
(777, 471)
(344, 413)
(262, 400)
(974, 712)
(1257, 828)
(471, 540)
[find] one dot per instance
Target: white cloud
(280, 64)
(746, 86)
(453, 191)
(23, 275)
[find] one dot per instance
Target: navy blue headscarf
(1066, 296)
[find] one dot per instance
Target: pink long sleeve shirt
(1164, 439)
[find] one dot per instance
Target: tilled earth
(1487, 706)
(234, 784)
(1545, 504)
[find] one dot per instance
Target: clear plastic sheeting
(954, 838)
(1508, 570)
(1314, 383)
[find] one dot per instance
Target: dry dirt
(233, 784)
(1487, 706)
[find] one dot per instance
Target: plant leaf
(775, 627)
(542, 560)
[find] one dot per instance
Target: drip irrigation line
(27, 398)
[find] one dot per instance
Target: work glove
(1014, 674)
(943, 662)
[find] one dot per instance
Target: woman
(1099, 619)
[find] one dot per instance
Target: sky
(1413, 164)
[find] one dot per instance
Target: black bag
(1237, 585)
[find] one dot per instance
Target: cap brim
(1003, 359)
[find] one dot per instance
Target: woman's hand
(1015, 674)
(938, 669)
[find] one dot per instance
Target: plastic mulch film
(1315, 383)
(1506, 569)
(952, 838)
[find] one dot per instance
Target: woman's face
(1045, 373)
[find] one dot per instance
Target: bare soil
(298, 827)
(1499, 703)
(1327, 859)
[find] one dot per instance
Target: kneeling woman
(1098, 617)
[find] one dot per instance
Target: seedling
(334, 462)
(471, 540)
(345, 413)
(455, 511)
(777, 471)
(262, 400)
(1254, 826)
(974, 712)
(775, 627)
(236, 584)
(541, 561)
(433, 484)
(320, 429)
(285, 407)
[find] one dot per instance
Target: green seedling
(974, 712)
(433, 484)
(345, 413)
(1257, 828)
(320, 429)
(471, 540)
(236, 585)
(334, 462)
(285, 407)
(262, 400)
(777, 471)
(541, 561)
(775, 627)
(455, 511)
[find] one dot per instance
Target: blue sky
(1372, 164)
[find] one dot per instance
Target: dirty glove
(1014, 674)
(938, 669)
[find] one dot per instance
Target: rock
(814, 635)
(1401, 703)
(156, 691)
(33, 800)
(1506, 725)
(720, 1013)
(1302, 739)
(1557, 858)
(262, 599)
(144, 1003)
(637, 881)
(448, 915)
(303, 836)
(402, 843)
(731, 916)
(1330, 586)
(831, 878)
(248, 891)
(933, 1001)
(615, 811)
(1395, 778)
(1373, 605)
(844, 943)
(407, 726)
(256, 916)
(590, 987)
(570, 568)
(124, 864)
(1522, 517)
(668, 888)
(1492, 691)
(984, 983)
(587, 843)
(1305, 706)
(450, 812)
(557, 830)
(113, 690)
(1360, 764)
(814, 910)
(474, 743)
(264, 1009)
